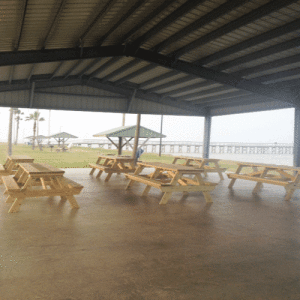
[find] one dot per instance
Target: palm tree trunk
(17, 132)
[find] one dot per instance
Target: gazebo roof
(129, 131)
(63, 135)
(40, 137)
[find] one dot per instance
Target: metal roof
(129, 131)
(62, 135)
(181, 57)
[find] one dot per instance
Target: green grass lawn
(80, 157)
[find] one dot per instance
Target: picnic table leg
(207, 197)
(167, 195)
(138, 170)
(10, 199)
(219, 170)
(259, 185)
(72, 201)
(104, 164)
(16, 205)
(238, 170)
(148, 187)
(93, 169)
(290, 189)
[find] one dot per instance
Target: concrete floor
(120, 245)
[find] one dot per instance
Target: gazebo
(39, 138)
(128, 133)
(62, 137)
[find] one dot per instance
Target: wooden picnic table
(171, 178)
(10, 165)
(50, 179)
(206, 165)
(113, 164)
(286, 176)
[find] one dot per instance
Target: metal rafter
(159, 78)
(242, 21)
(104, 66)
(277, 75)
(264, 37)
(268, 66)
(209, 17)
(147, 19)
(225, 97)
(102, 11)
(68, 73)
(286, 45)
(127, 91)
(213, 75)
(119, 23)
(127, 66)
(134, 74)
(200, 94)
(258, 54)
(179, 12)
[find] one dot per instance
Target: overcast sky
(261, 127)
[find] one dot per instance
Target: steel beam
(216, 13)
(147, 19)
(119, 23)
(229, 27)
(268, 66)
(219, 77)
(258, 39)
(102, 11)
(179, 12)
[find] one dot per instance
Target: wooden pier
(196, 147)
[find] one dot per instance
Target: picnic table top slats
(23, 158)
(169, 167)
(40, 169)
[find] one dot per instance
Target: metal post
(137, 134)
(120, 146)
(10, 126)
(160, 140)
(297, 138)
(49, 127)
(206, 137)
(123, 120)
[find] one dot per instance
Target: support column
(297, 138)
(120, 146)
(206, 137)
(10, 126)
(137, 135)
(160, 140)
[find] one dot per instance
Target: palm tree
(17, 112)
(35, 117)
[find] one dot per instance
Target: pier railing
(195, 147)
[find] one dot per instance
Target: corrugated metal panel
(157, 19)
(15, 99)
(4, 73)
(66, 102)
(155, 72)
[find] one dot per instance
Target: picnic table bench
(170, 178)
(286, 176)
(50, 179)
(206, 165)
(11, 163)
(113, 164)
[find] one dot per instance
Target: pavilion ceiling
(201, 57)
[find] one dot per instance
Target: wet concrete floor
(122, 246)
